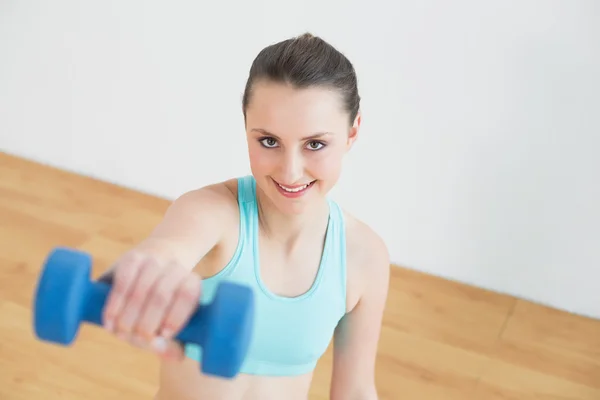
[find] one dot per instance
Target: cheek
(262, 161)
(327, 166)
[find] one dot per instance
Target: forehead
(283, 109)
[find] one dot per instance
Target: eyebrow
(311, 137)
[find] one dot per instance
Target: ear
(353, 132)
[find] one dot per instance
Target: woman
(317, 272)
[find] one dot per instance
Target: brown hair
(305, 61)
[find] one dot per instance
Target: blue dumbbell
(65, 296)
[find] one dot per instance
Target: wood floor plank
(561, 347)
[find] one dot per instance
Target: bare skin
(157, 284)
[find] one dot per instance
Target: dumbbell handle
(98, 292)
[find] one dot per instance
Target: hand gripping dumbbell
(65, 297)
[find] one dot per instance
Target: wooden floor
(440, 340)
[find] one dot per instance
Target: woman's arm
(192, 225)
(154, 288)
(356, 337)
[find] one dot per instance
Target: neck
(292, 228)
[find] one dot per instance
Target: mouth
(295, 190)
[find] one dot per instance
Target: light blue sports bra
(291, 333)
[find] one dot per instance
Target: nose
(292, 167)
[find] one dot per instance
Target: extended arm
(154, 289)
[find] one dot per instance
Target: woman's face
(297, 139)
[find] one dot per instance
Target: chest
(289, 272)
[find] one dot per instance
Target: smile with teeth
(294, 189)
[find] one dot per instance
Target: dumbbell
(65, 297)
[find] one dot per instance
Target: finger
(184, 303)
(149, 273)
(137, 342)
(170, 350)
(125, 273)
(158, 301)
(174, 351)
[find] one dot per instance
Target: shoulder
(216, 199)
(214, 205)
(223, 190)
(205, 224)
(367, 261)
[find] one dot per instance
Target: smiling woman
(301, 107)
(317, 272)
(296, 136)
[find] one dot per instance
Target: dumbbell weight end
(65, 297)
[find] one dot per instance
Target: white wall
(485, 115)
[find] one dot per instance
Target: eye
(268, 142)
(315, 145)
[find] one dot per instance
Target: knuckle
(123, 329)
(146, 324)
(160, 297)
(119, 289)
(123, 279)
(126, 268)
(110, 312)
(178, 315)
(193, 282)
(137, 296)
(140, 328)
(173, 324)
(113, 305)
(151, 262)
(147, 263)
(142, 333)
(133, 257)
(188, 293)
(141, 288)
(163, 287)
